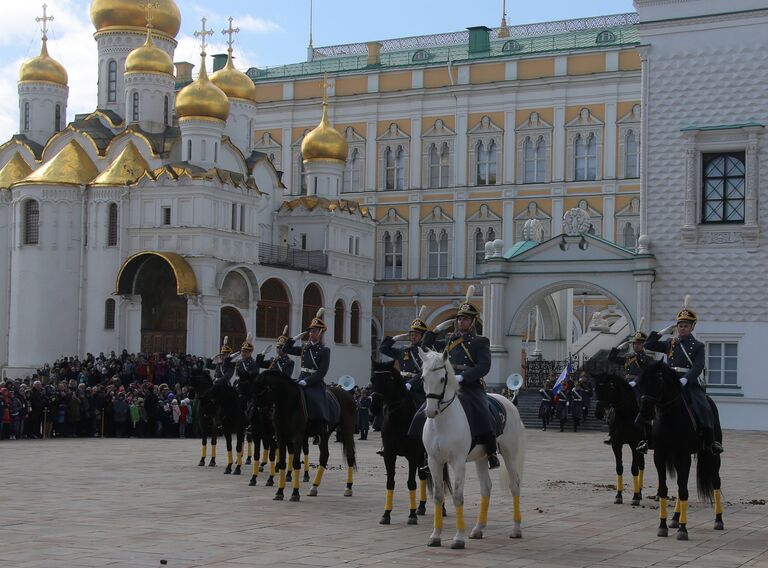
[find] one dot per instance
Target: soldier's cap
(639, 336)
(687, 314)
(283, 339)
(225, 348)
(248, 343)
(317, 321)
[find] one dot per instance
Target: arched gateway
(162, 281)
(516, 278)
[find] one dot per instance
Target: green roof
(440, 49)
(519, 248)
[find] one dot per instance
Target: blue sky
(273, 33)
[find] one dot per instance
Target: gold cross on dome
(45, 19)
(148, 7)
(202, 33)
(230, 31)
(325, 86)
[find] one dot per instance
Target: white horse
(447, 440)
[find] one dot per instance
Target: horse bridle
(441, 396)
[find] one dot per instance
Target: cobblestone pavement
(134, 503)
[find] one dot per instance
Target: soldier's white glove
(302, 383)
(632, 383)
(445, 325)
(683, 381)
(459, 378)
(668, 330)
(267, 349)
(401, 337)
(408, 386)
(299, 336)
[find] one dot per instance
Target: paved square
(133, 503)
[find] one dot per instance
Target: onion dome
(324, 142)
(106, 14)
(234, 83)
(202, 99)
(149, 59)
(44, 68)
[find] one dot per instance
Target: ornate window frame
(356, 143)
(533, 211)
(534, 128)
(584, 125)
(300, 183)
(391, 223)
(393, 139)
(438, 221)
(274, 150)
(630, 122)
(485, 131)
(700, 140)
(439, 136)
(485, 220)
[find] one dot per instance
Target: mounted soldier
(470, 357)
(408, 357)
(686, 355)
(224, 367)
(315, 359)
(282, 362)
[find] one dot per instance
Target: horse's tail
(707, 475)
(347, 421)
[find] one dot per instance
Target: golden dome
(324, 142)
(14, 170)
(202, 99)
(71, 166)
(234, 83)
(132, 14)
(43, 68)
(148, 59)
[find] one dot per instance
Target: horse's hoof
(252, 482)
(228, 470)
(457, 544)
(674, 524)
(201, 463)
(238, 470)
(413, 520)
(719, 526)
(618, 500)
(682, 535)
(313, 491)
(295, 498)
(663, 531)
(516, 533)
(434, 542)
(212, 463)
(635, 502)
(348, 493)
(270, 481)
(385, 520)
(306, 477)
(422, 509)
(277, 498)
(248, 460)
(476, 533)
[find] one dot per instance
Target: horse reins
(441, 396)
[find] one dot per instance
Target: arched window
(109, 314)
(312, 301)
(437, 254)
(189, 150)
(512, 45)
(112, 81)
(479, 247)
(112, 226)
(605, 36)
(26, 116)
(166, 111)
(31, 222)
(585, 152)
(338, 322)
(273, 309)
(534, 157)
(438, 165)
(57, 119)
(393, 256)
(354, 324)
(135, 106)
(352, 172)
(631, 156)
(421, 55)
(485, 157)
(394, 168)
(629, 240)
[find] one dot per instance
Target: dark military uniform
(224, 371)
(410, 367)
(281, 363)
(315, 359)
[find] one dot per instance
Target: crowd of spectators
(143, 395)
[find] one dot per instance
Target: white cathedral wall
(706, 74)
(239, 124)
(6, 237)
(42, 98)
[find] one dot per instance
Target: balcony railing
(292, 257)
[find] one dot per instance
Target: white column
(557, 213)
(493, 311)
(415, 181)
(609, 145)
(460, 240)
(287, 158)
(460, 157)
(370, 156)
(414, 242)
(609, 212)
(508, 223)
(644, 282)
(509, 146)
(558, 143)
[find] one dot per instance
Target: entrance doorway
(233, 327)
(163, 312)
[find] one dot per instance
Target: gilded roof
(126, 169)
(202, 99)
(310, 203)
(15, 169)
(118, 14)
(70, 166)
(324, 142)
(149, 58)
(234, 83)
(43, 68)
(186, 281)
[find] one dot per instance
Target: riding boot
(490, 449)
(710, 444)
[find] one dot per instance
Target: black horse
(674, 439)
(399, 409)
(293, 428)
(259, 413)
(617, 399)
(204, 413)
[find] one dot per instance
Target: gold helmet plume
(317, 321)
(419, 324)
(248, 343)
(225, 348)
(283, 339)
(687, 314)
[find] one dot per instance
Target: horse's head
(658, 384)
(439, 379)
(386, 380)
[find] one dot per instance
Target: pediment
(584, 247)
(483, 214)
(631, 209)
(437, 215)
(533, 211)
(485, 126)
(392, 217)
(352, 136)
(438, 130)
(585, 119)
(393, 133)
(632, 116)
(534, 122)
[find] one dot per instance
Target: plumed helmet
(225, 348)
(419, 324)
(317, 321)
(687, 314)
(466, 308)
(248, 343)
(283, 339)
(640, 334)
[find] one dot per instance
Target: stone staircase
(528, 407)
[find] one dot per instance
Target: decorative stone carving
(576, 221)
(599, 323)
(533, 230)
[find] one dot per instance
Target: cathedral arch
(355, 318)
(273, 310)
(338, 321)
(312, 300)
